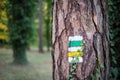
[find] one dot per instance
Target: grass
(39, 67)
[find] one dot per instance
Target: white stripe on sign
(75, 38)
(74, 49)
(70, 59)
(80, 59)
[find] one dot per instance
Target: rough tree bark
(88, 18)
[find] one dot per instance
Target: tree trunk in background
(20, 55)
(88, 18)
(48, 33)
(40, 27)
(48, 23)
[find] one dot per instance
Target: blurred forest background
(31, 17)
(25, 39)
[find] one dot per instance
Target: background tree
(45, 17)
(20, 16)
(40, 27)
(114, 22)
(47, 22)
(87, 18)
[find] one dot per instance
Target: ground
(39, 67)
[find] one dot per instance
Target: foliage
(3, 16)
(114, 22)
(3, 32)
(99, 68)
(73, 68)
(21, 22)
(3, 21)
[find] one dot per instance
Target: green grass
(39, 67)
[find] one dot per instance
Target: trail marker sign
(75, 49)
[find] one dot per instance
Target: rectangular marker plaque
(75, 44)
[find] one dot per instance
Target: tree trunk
(20, 55)
(48, 34)
(86, 18)
(40, 27)
(48, 23)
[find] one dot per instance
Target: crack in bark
(95, 46)
(61, 55)
(92, 6)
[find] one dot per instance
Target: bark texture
(88, 18)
